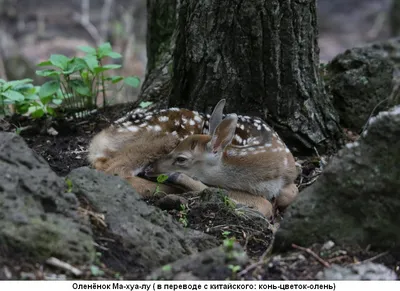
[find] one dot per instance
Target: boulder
(149, 237)
(356, 200)
(359, 80)
(38, 217)
(220, 263)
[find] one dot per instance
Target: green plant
(79, 81)
(69, 185)
(26, 98)
(96, 271)
(229, 243)
(234, 268)
(229, 203)
(166, 268)
(160, 179)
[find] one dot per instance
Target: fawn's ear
(224, 133)
(216, 116)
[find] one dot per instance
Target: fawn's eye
(181, 159)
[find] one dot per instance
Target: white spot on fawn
(238, 139)
(163, 118)
(133, 128)
(197, 118)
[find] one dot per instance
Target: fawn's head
(197, 153)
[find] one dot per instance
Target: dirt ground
(67, 150)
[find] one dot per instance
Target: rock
(150, 238)
(366, 271)
(358, 80)
(328, 245)
(216, 264)
(38, 219)
(356, 200)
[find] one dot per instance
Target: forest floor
(67, 150)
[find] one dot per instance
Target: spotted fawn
(241, 154)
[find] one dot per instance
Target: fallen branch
(309, 251)
(63, 265)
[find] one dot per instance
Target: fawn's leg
(258, 203)
(286, 196)
(147, 188)
(187, 182)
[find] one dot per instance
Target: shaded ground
(67, 150)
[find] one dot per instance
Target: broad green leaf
(44, 64)
(49, 88)
(13, 96)
(91, 62)
(104, 49)
(57, 101)
(46, 100)
(87, 49)
(106, 68)
(24, 88)
(60, 61)
(32, 97)
(132, 81)
(162, 178)
(48, 73)
(114, 55)
(16, 83)
(116, 79)
(79, 64)
(80, 87)
(37, 113)
(50, 111)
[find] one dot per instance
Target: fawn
(239, 153)
(257, 166)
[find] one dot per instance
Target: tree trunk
(161, 24)
(262, 56)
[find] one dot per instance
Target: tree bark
(262, 56)
(161, 26)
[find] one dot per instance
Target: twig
(309, 251)
(105, 15)
(63, 265)
(260, 262)
(84, 19)
(373, 258)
